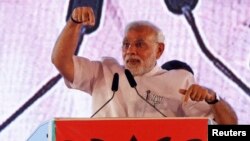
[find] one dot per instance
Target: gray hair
(159, 34)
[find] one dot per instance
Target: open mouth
(133, 61)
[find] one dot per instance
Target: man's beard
(139, 67)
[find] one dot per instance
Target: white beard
(138, 66)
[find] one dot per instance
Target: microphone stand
(114, 88)
(103, 105)
(149, 103)
(133, 84)
(223, 68)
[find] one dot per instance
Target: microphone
(114, 88)
(133, 84)
(115, 83)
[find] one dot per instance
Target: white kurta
(159, 87)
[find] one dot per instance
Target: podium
(122, 129)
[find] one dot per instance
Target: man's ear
(160, 50)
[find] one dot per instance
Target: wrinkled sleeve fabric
(86, 72)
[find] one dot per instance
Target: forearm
(66, 44)
(64, 49)
(223, 113)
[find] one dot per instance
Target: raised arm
(65, 46)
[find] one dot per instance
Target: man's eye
(126, 45)
(139, 44)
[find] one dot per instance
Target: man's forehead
(140, 29)
(139, 32)
(138, 36)
(134, 39)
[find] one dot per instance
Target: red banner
(114, 129)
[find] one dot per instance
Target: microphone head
(115, 83)
(176, 6)
(96, 5)
(130, 78)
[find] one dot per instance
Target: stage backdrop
(29, 29)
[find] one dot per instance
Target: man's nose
(131, 49)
